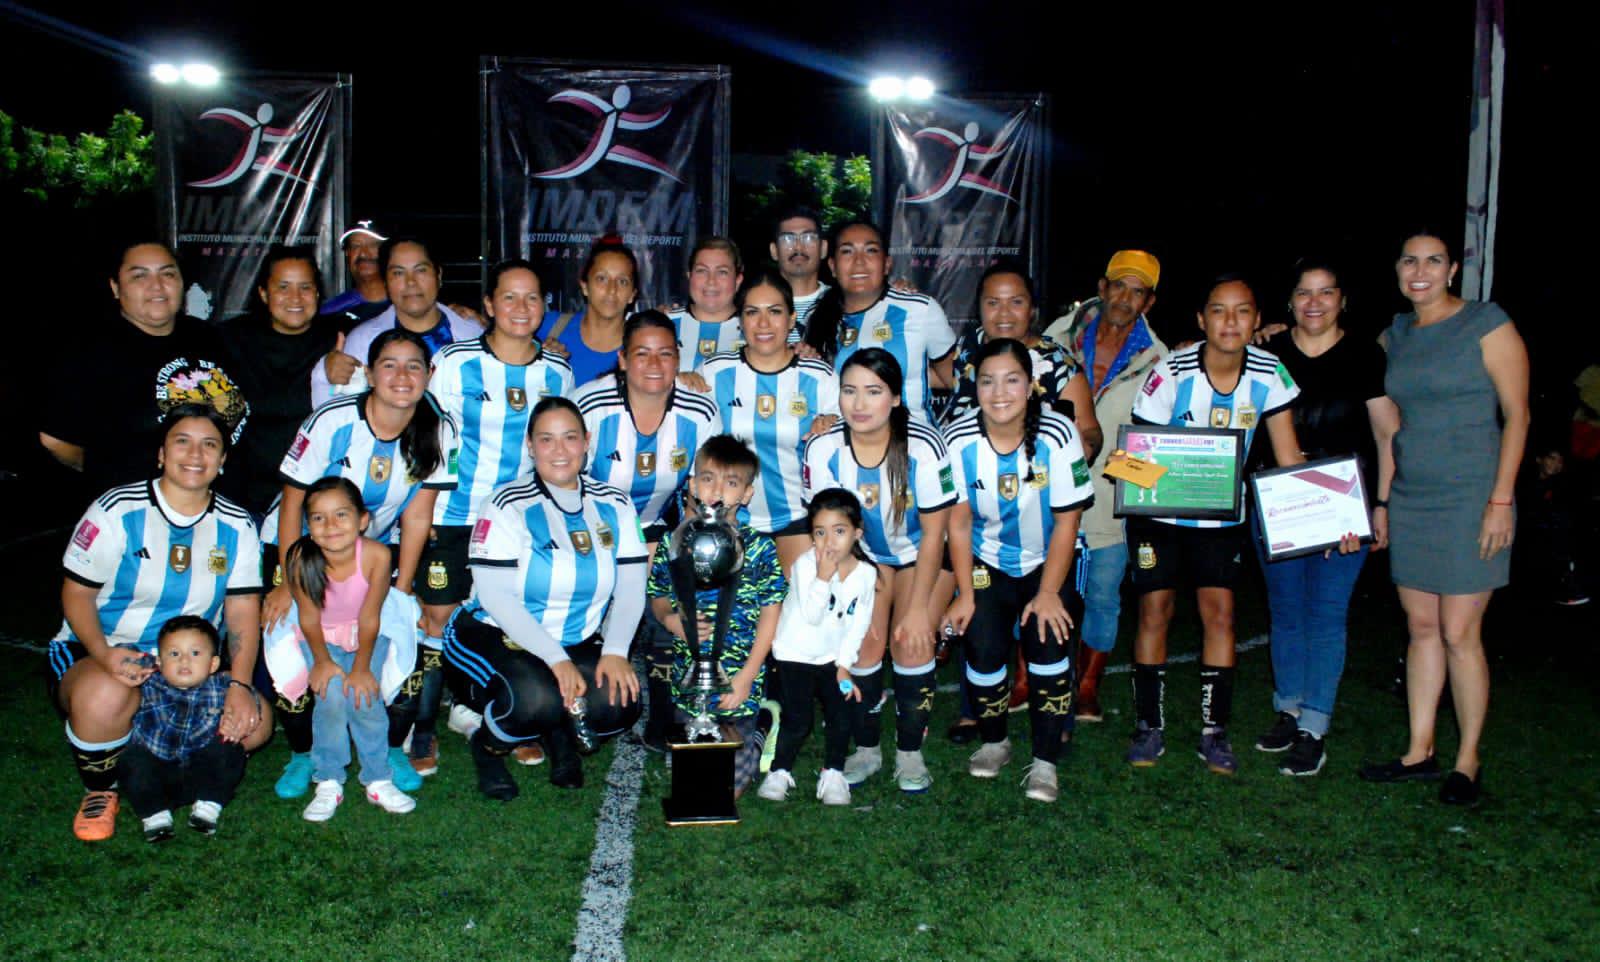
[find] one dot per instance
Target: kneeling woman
(1026, 482)
(145, 553)
(549, 556)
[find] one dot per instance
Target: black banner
(575, 151)
(260, 159)
(959, 184)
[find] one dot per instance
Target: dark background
(1220, 137)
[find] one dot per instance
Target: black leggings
(516, 692)
(800, 687)
(988, 643)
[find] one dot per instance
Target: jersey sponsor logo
(178, 558)
(301, 442)
(678, 459)
(947, 480)
(766, 405)
(251, 156)
(581, 541)
(480, 531)
(85, 535)
(955, 175)
(613, 116)
(1152, 383)
(604, 535)
(644, 463)
(217, 560)
(1080, 472)
(1008, 487)
(1283, 375)
(379, 469)
(517, 398)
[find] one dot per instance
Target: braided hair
(1035, 409)
(897, 462)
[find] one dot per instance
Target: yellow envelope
(1125, 467)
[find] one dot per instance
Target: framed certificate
(1310, 507)
(1203, 476)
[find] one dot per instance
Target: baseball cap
(362, 227)
(1141, 265)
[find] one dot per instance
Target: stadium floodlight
(886, 88)
(165, 73)
(919, 88)
(201, 75)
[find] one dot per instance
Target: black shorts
(271, 572)
(796, 527)
(442, 575)
(1163, 556)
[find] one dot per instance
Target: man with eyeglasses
(1112, 341)
(799, 249)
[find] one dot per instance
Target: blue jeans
(1309, 598)
(1102, 598)
(335, 721)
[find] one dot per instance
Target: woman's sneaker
(832, 789)
(1040, 784)
(775, 787)
(1217, 752)
(1306, 756)
(862, 764)
(1148, 744)
(1281, 735)
(987, 761)
(911, 772)
(386, 796)
(325, 802)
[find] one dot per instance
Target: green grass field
(1169, 863)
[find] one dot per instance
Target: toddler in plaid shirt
(174, 756)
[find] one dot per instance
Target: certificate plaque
(1205, 468)
(1310, 507)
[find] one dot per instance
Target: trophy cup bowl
(709, 537)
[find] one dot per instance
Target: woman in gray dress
(1457, 370)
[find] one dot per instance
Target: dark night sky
(1219, 136)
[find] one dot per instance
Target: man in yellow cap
(1109, 337)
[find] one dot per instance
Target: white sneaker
(463, 720)
(325, 802)
(862, 764)
(158, 827)
(1040, 782)
(384, 795)
(987, 761)
(775, 787)
(204, 815)
(832, 789)
(911, 772)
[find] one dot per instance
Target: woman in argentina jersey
(774, 401)
(1006, 309)
(488, 387)
(1222, 382)
(1026, 482)
(911, 327)
(708, 325)
(897, 467)
(144, 553)
(555, 558)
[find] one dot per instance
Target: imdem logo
(956, 174)
(262, 148)
(612, 116)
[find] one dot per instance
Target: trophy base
(702, 780)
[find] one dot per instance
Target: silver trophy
(705, 552)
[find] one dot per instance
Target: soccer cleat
(158, 827)
(424, 754)
(296, 778)
(401, 773)
(494, 781)
(911, 772)
(990, 757)
(325, 802)
(463, 720)
(832, 789)
(204, 815)
(529, 755)
(775, 787)
(1040, 783)
(1306, 756)
(769, 748)
(1217, 753)
(1147, 746)
(1281, 736)
(392, 800)
(96, 818)
(862, 764)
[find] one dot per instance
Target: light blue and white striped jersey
(1013, 499)
(649, 468)
(771, 413)
(804, 304)
(337, 440)
(699, 340)
(1178, 393)
(568, 562)
(913, 328)
(152, 564)
(490, 401)
(830, 463)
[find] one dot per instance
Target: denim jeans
(335, 721)
(1102, 598)
(1309, 598)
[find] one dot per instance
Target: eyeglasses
(791, 239)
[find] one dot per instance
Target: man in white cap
(369, 297)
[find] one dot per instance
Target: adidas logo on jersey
(551, 545)
(1188, 416)
(142, 553)
(483, 396)
(977, 485)
(736, 403)
(344, 462)
(614, 456)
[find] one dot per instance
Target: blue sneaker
(1147, 746)
(1217, 753)
(296, 778)
(401, 773)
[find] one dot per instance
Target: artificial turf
(1164, 863)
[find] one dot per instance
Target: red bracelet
(1506, 504)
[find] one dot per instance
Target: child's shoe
(775, 787)
(463, 720)
(911, 772)
(158, 827)
(862, 764)
(832, 789)
(401, 773)
(325, 802)
(296, 778)
(424, 753)
(203, 817)
(386, 796)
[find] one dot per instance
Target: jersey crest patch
(379, 468)
(1038, 477)
(847, 337)
(678, 459)
(217, 560)
(581, 541)
(766, 405)
(708, 346)
(883, 332)
(604, 535)
(178, 558)
(1220, 417)
(1246, 416)
(1008, 487)
(644, 463)
(798, 406)
(869, 496)
(517, 398)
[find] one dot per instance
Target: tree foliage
(839, 190)
(86, 168)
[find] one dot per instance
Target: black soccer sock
(403, 710)
(1216, 697)
(991, 701)
(913, 703)
(96, 761)
(1049, 709)
(659, 685)
(295, 716)
(865, 722)
(1149, 684)
(432, 693)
